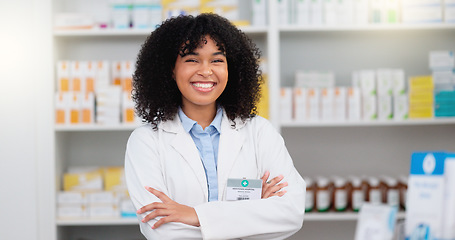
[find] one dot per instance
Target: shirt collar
(188, 123)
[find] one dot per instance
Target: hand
(170, 210)
(271, 188)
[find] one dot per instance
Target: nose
(205, 70)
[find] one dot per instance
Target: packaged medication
(283, 11)
(374, 194)
(121, 14)
(377, 11)
(71, 197)
(398, 81)
(63, 76)
(116, 73)
(89, 76)
(102, 74)
(346, 12)
(361, 10)
(424, 210)
(449, 13)
(140, 14)
(71, 211)
(376, 222)
(259, 12)
(127, 208)
(340, 194)
(83, 179)
(286, 104)
(75, 112)
(62, 107)
(392, 11)
(101, 197)
(88, 108)
(422, 13)
(309, 196)
(316, 12)
(357, 194)
(385, 111)
(340, 104)
(300, 104)
(330, 9)
(103, 211)
(128, 114)
(314, 96)
(391, 195)
(442, 60)
(109, 105)
(354, 104)
(400, 107)
(76, 76)
(369, 107)
(302, 12)
(126, 73)
(384, 82)
(367, 80)
(323, 194)
(327, 104)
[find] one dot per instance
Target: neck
(203, 115)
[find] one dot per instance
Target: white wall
(25, 47)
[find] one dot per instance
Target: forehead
(189, 47)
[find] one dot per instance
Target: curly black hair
(155, 91)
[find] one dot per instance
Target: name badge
(243, 189)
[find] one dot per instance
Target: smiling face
(201, 76)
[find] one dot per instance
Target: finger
(154, 214)
(279, 194)
(163, 197)
(276, 188)
(151, 207)
(265, 177)
(161, 222)
(276, 180)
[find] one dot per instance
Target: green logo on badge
(245, 183)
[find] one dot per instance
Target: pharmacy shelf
(339, 216)
(97, 221)
(132, 32)
(368, 27)
(95, 127)
(409, 122)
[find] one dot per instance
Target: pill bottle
(403, 188)
(374, 193)
(323, 194)
(357, 193)
(391, 194)
(309, 197)
(340, 194)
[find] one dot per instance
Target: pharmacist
(205, 166)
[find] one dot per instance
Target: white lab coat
(167, 159)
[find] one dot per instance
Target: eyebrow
(197, 54)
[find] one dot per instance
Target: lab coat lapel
(184, 145)
(231, 142)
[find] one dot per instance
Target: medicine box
(62, 109)
(103, 211)
(442, 60)
(83, 179)
(302, 12)
(76, 69)
(398, 81)
(419, 83)
(88, 108)
(422, 14)
(286, 104)
(361, 12)
(354, 104)
(425, 201)
(114, 178)
(71, 197)
(340, 104)
(75, 108)
(89, 76)
(126, 73)
(314, 99)
(369, 107)
(327, 104)
(385, 110)
(367, 80)
(71, 211)
(127, 208)
(259, 12)
(63, 76)
(384, 81)
(346, 12)
(300, 104)
(448, 225)
(316, 12)
(449, 13)
(400, 107)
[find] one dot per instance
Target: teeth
(203, 85)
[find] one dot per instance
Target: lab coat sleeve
(271, 218)
(143, 168)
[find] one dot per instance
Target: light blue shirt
(207, 141)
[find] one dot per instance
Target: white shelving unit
(322, 148)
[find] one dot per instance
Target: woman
(197, 84)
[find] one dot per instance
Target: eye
(191, 60)
(218, 61)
